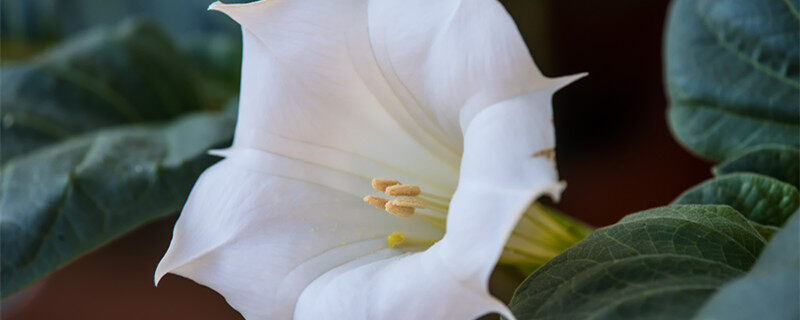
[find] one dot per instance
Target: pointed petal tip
(222, 153)
(496, 307)
(506, 314)
(165, 266)
(226, 7)
(554, 190)
(563, 81)
(162, 269)
(214, 6)
(158, 275)
(223, 7)
(243, 13)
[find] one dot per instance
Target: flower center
(407, 200)
(541, 234)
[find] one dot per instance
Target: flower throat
(407, 200)
(541, 234)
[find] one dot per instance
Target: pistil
(400, 239)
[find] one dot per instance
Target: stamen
(376, 202)
(408, 190)
(408, 202)
(433, 197)
(395, 239)
(382, 184)
(434, 205)
(399, 211)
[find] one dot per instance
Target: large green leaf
(63, 200)
(771, 290)
(58, 19)
(779, 162)
(657, 264)
(127, 74)
(733, 74)
(762, 199)
(211, 39)
(92, 147)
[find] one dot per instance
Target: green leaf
(760, 198)
(779, 162)
(59, 19)
(733, 74)
(128, 74)
(657, 264)
(92, 147)
(771, 290)
(64, 200)
(766, 231)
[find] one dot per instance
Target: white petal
(392, 82)
(259, 240)
(449, 59)
(504, 168)
(413, 286)
(304, 93)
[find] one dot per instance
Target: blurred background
(614, 147)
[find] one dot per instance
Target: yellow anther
(408, 202)
(376, 202)
(408, 190)
(395, 239)
(382, 184)
(399, 211)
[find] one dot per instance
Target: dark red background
(614, 149)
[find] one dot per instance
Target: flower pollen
(399, 211)
(401, 207)
(382, 184)
(409, 190)
(395, 239)
(376, 202)
(408, 202)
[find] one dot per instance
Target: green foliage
(103, 133)
(210, 39)
(658, 264)
(131, 73)
(66, 199)
(733, 74)
(34, 20)
(666, 263)
(771, 290)
(759, 198)
(733, 78)
(779, 162)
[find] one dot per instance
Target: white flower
(439, 94)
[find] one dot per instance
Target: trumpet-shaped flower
(439, 100)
